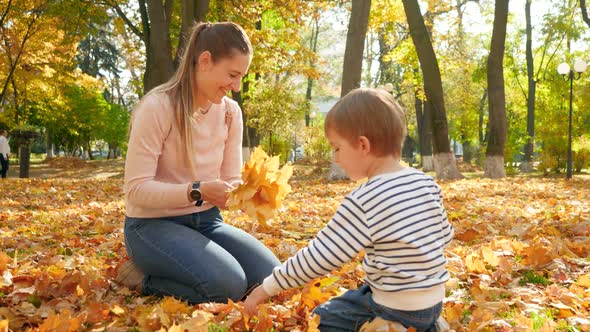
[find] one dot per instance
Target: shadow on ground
(95, 169)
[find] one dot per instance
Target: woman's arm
(151, 125)
(232, 155)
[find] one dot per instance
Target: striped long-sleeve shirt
(400, 221)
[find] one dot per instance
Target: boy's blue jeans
(197, 257)
(356, 307)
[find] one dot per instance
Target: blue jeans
(351, 310)
(197, 257)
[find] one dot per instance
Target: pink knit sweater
(157, 175)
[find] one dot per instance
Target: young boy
(397, 217)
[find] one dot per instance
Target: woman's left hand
(257, 296)
(216, 192)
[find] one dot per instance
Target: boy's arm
(257, 296)
(342, 238)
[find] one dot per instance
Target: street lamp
(570, 74)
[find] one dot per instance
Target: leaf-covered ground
(519, 261)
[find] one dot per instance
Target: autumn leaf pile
(67, 163)
(263, 188)
(519, 261)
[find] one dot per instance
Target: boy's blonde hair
(372, 113)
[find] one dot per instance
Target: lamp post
(570, 74)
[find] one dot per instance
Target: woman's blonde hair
(372, 113)
(223, 40)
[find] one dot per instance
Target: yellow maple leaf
(63, 322)
(381, 325)
(490, 256)
(117, 310)
(4, 260)
(173, 306)
(584, 281)
(474, 263)
(176, 328)
(263, 188)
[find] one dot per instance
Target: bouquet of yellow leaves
(264, 187)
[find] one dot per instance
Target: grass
(530, 277)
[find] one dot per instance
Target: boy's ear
(364, 144)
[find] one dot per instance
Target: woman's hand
(257, 296)
(216, 192)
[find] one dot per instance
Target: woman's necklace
(205, 110)
(201, 112)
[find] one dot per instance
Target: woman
(183, 158)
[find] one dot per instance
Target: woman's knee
(228, 286)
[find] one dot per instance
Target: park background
(483, 99)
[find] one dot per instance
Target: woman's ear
(205, 61)
(364, 144)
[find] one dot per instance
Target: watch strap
(197, 186)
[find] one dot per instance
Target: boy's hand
(257, 296)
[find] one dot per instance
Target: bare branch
(5, 13)
(127, 21)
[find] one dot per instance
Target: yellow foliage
(264, 187)
(381, 325)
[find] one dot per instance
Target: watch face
(196, 194)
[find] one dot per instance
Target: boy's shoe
(130, 276)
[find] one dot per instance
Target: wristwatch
(195, 193)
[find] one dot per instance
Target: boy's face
(351, 157)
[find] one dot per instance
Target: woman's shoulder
(154, 100)
(154, 103)
(230, 105)
(154, 106)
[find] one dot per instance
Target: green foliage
(115, 130)
(275, 145)
(530, 277)
(97, 53)
(83, 117)
(581, 152)
(540, 319)
(316, 146)
(274, 108)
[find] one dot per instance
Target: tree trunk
(584, 12)
(313, 44)
(187, 21)
(467, 151)
(201, 10)
(250, 137)
(353, 61)
(424, 120)
(160, 63)
(434, 92)
(494, 165)
(355, 42)
(13, 63)
(192, 11)
(24, 160)
(530, 118)
(482, 107)
(90, 156)
(49, 146)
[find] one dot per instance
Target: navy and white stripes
(400, 222)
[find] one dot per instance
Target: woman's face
(216, 79)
